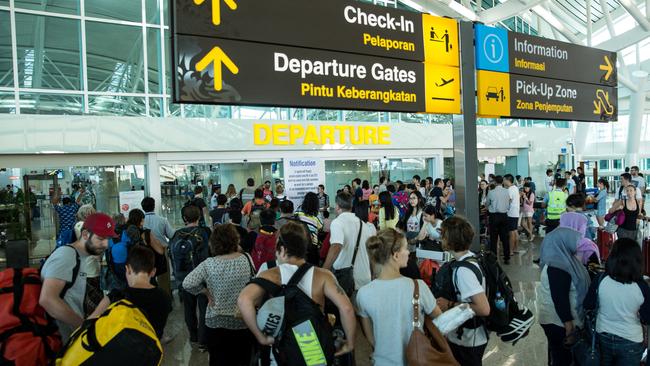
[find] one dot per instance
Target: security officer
(555, 203)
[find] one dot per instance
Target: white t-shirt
(639, 196)
(468, 286)
(388, 303)
(618, 309)
(571, 186)
(639, 182)
(513, 193)
(344, 230)
(549, 183)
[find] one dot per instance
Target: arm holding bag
(428, 346)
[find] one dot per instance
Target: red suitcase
(604, 241)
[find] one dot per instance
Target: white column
(153, 179)
(637, 102)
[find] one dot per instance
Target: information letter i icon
(494, 48)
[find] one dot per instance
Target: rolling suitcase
(604, 241)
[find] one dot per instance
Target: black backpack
(254, 217)
(188, 248)
(496, 280)
(301, 316)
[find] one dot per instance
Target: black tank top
(630, 217)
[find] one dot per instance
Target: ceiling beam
(634, 11)
(507, 10)
(567, 18)
(433, 7)
(624, 40)
(555, 23)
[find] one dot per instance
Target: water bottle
(500, 302)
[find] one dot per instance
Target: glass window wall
(101, 186)
(6, 67)
(113, 68)
(48, 52)
(179, 180)
(54, 6)
(130, 10)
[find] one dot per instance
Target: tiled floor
(529, 351)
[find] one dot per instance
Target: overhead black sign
(220, 71)
(518, 96)
(335, 25)
(536, 56)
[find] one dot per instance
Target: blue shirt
(602, 202)
(67, 215)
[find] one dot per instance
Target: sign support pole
(464, 131)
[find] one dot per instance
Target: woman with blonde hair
(231, 193)
(385, 304)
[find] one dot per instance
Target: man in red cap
(64, 273)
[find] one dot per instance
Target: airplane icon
(444, 82)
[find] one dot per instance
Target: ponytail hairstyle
(383, 245)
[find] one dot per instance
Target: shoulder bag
(426, 346)
(345, 276)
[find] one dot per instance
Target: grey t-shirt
(388, 304)
(60, 265)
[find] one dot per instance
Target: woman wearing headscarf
(587, 250)
(564, 284)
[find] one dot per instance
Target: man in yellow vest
(555, 203)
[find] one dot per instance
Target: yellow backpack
(122, 335)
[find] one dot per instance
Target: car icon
(492, 93)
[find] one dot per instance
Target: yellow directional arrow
(216, 8)
(218, 57)
(602, 105)
(607, 67)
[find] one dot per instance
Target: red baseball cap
(100, 224)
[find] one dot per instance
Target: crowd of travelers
(258, 274)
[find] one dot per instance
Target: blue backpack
(117, 254)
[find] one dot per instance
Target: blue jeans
(615, 350)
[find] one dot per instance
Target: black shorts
(512, 223)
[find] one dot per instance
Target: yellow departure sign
(442, 89)
(440, 39)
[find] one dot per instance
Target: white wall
(232, 140)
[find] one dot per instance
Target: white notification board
(302, 176)
(130, 200)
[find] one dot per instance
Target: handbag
(586, 350)
(345, 276)
(614, 219)
(427, 346)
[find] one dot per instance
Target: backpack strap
(300, 273)
(356, 247)
(465, 263)
(271, 288)
(75, 272)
